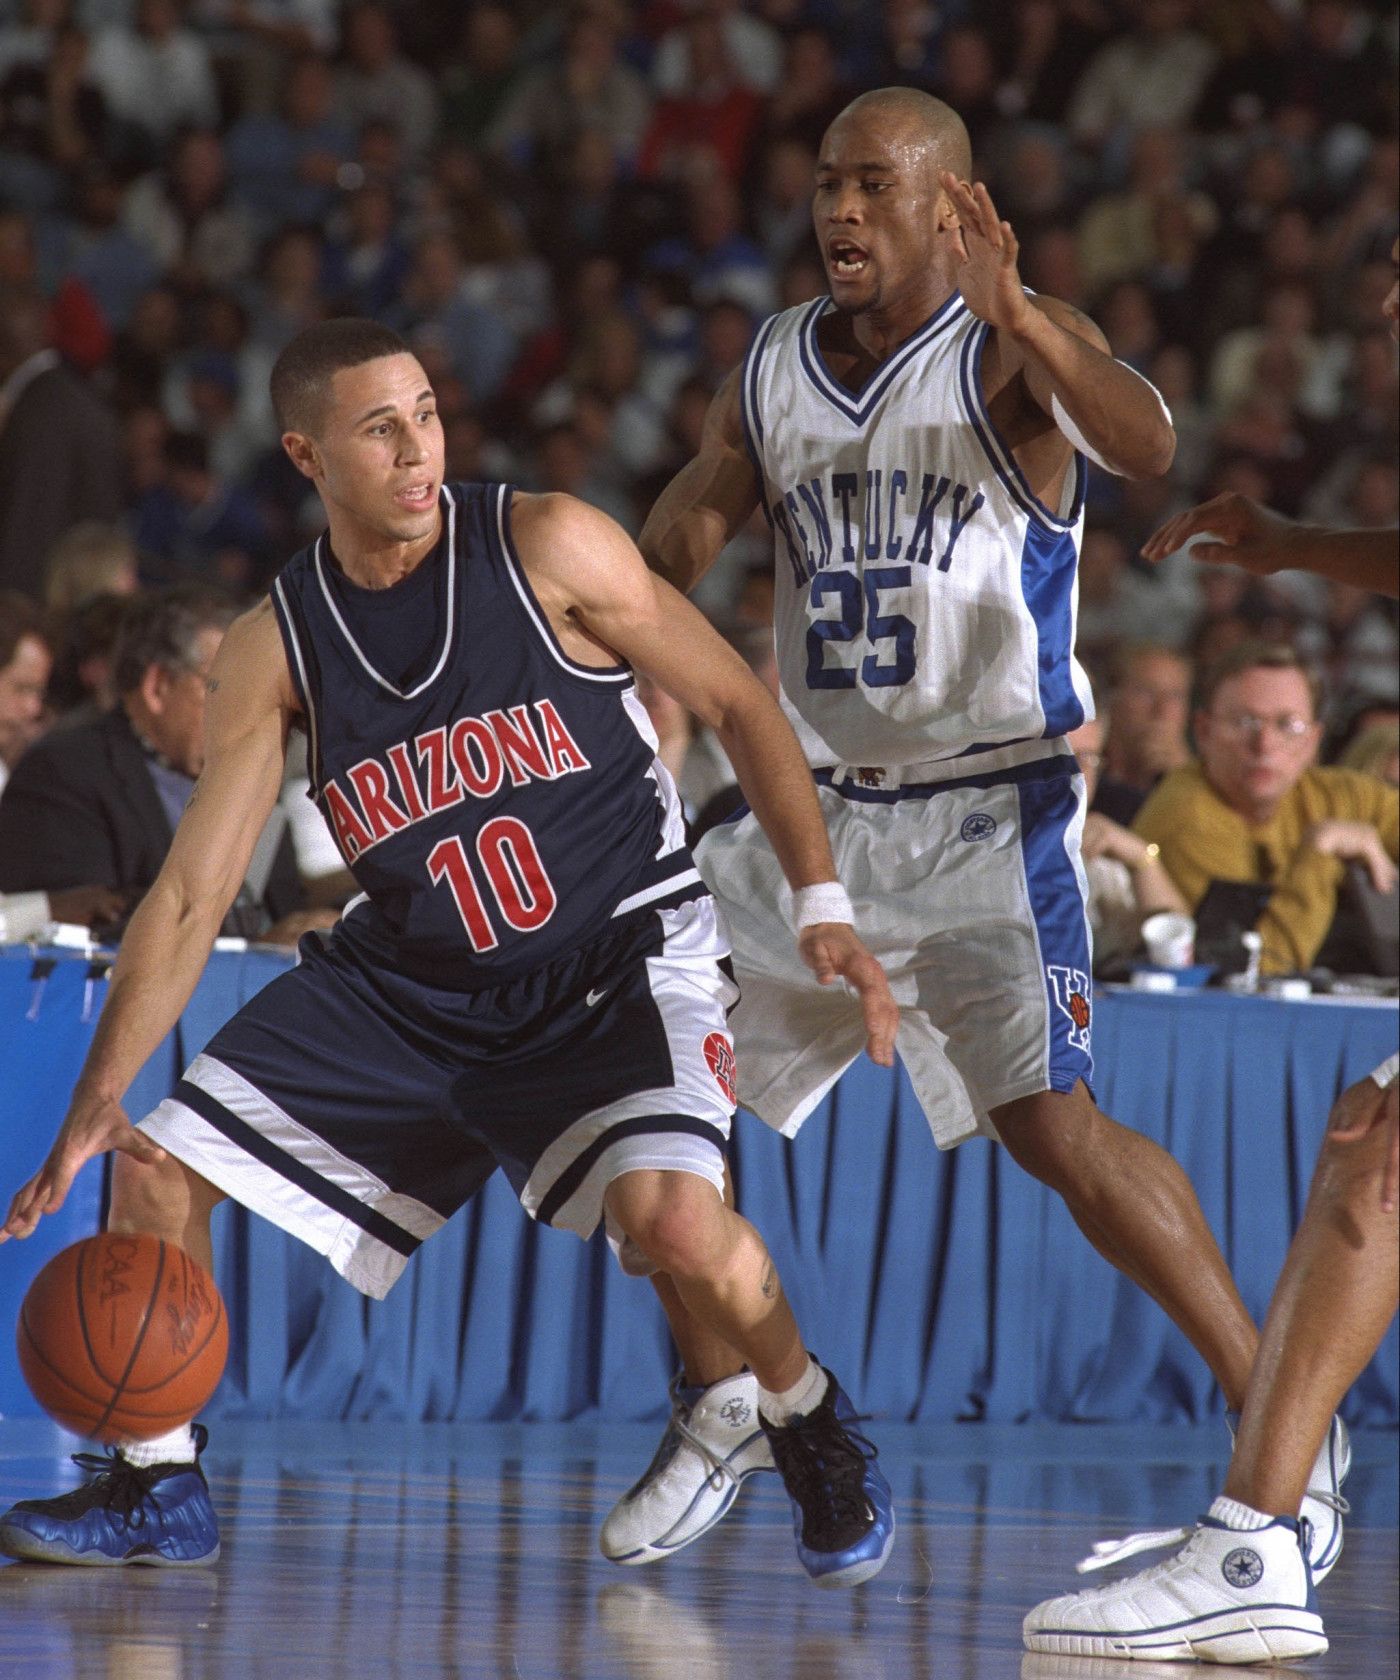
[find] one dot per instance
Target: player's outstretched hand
(91, 1128)
(1243, 534)
(833, 951)
(1361, 1110)
(987, 275)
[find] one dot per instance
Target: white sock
(175, 1448)
(1234, 1515)
(805, 1395)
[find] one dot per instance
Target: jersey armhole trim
(291, 644)
(996, 449)
(617, 675)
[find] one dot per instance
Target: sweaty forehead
(885, 139)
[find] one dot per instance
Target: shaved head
(934, 127)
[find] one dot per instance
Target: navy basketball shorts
(358, 1109)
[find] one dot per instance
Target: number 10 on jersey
(508, 856)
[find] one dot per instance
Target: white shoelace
(1108, 1552)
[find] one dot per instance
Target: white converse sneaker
(1323, 1505)
(708, 1449)
(1230, 1595)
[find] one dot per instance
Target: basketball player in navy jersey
(535, 975)
(917, 441)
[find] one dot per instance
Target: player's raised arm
(587, 572)
(1113, 414)
(708, 501)
(168, 941)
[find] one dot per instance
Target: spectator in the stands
(25, 662)
(284, 167)
(1154, 75)
(184, 218)
(90, 559)
(476, 85)
(154, 72)
(60, 459)
(1127, 879)
(101, 802)
(376, 83)
(709, 119)
(1256, 810)
(24, 673)
(97, 247)
(196, 524)
(753, 46)
(1149, 704)
(437, 310)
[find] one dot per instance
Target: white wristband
(825, 902)
(1384, 1075)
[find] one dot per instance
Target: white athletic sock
(805, 1395)
(1235, 1515)
(175, 1448)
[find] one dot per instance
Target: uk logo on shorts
(719, 1058)
(981, 825)
(1071, 989)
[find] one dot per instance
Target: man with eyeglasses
(1255, 808)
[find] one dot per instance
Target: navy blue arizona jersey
(506, 803)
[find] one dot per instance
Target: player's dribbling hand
(1243, 534)
(91, 1127)
(833, 951)
(987, 277)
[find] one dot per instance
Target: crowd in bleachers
(578, 214)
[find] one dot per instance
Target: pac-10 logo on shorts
(719, 1058)
(1071, 989)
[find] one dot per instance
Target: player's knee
(1050, 1142)
(675, 1222)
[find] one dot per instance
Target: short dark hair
(159, 628)
(19, 617)
(1255, 655)
(302, 374)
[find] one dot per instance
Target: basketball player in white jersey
(917, 443)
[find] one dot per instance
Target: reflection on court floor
(416, 1550)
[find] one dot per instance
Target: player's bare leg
(723, 1277)
(1137, 1207)
(1335, 1299)
(165, 1199)
(148, 1502)
(706, 1358)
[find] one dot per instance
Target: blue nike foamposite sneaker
(843, 1513)
(161, 1515)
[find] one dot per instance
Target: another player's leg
(1136, 1206)
(725, 1277)
(146, 1502)
(1243, 1577)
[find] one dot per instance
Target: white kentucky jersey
(925, 599)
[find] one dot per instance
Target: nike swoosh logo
(596, 997)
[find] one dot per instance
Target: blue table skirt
(938, 1286)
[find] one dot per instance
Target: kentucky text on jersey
(469, 760)
(880, 519)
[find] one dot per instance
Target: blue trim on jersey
(1061, 922)
(528, 599)
(1048, 564)
(997, 450)
(1058, 766)
(858, 406)
(294, 1171)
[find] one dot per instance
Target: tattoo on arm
(769, 1281)
(210, 684)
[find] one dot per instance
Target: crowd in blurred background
(578, 214)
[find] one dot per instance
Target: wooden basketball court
(417, 1550)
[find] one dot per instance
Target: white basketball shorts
(972, 895)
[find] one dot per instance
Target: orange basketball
(122, 1336)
